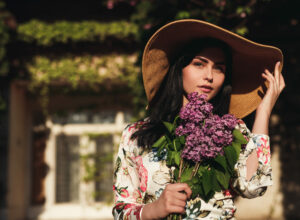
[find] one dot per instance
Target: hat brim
(250, 59)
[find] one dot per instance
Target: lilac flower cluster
(206, 134)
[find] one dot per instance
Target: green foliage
(87, 70)
(155, 13)
(84, 69)
(208, 176)
(45, 34)
(96, 168)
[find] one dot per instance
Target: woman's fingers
(181, 187)
(273, 84)
(181, 196)
(276, 85)
(277, 73)
(178, 202)
(176, 196)
(269, 79)
(175, 209)
(282, 82)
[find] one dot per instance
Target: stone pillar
(19, 150)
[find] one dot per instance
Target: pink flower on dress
(125, 171)
(124, 193)
(137, 212)
(137, 195)
(134, 208)
(263, 151)
(142, 171)
(135, 125)
(129, 205)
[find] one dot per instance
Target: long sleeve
(130, 179)
(262, 178)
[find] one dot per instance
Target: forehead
(214, 54)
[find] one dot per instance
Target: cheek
(189, 79)
(219, 80)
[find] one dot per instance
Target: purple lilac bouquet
(206, 134)
(202, 147)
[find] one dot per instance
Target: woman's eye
(198, 64)
(221, 69)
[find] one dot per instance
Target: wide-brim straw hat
(250, 59)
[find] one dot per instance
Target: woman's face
(205, 74)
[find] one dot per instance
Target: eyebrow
(205, 60)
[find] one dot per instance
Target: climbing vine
(91, 71)
(97, 166)
(47, 34)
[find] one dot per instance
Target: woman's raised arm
(263, 112)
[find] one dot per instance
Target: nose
(209, 74)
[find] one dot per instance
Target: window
(67, 168)
(73, 137)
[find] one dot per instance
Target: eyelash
(198, 64)
(220, 68)
(201, 64)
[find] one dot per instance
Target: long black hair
(168, 100)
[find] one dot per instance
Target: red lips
(205, 88)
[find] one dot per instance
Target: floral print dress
(140, 176)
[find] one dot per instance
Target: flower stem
(180, 169)
(195, 170)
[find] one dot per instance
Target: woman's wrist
(148, 212)
(261, 122)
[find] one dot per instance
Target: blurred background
(70, 81)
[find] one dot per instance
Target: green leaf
(169, 126)
(185, 176)
(197, 190)
(237, 148)
(176, 120)
(178, 146)
(176, 173)
(227, 178)
(207, 182)
(215, 184)
(231, 156)
(221, 160)
(177, 158)
(170, 158)
(182, 139)
(160, 150)
(160, 142)
(182, 15)
(201, 170)
(239, 137)
(195, 180)
(222, 179)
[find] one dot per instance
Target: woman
(188, 56)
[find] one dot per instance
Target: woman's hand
(276, 85)
(172, 200)
(263, 112)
